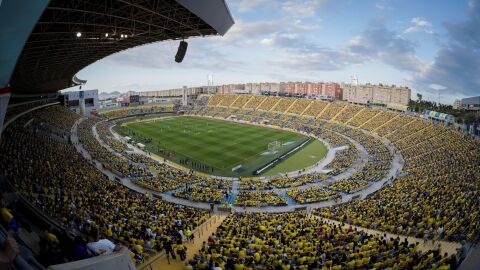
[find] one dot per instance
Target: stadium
(226, 181)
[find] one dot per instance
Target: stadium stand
(268, 103)
(297, 241)
(255, 101)
(331, 111)
(348, 113)
(378, 120)
(60, 199)
(33, 163)
(315, 108)
(435, 196)
(312, 194)
(140, 110)
(283, 105)
(424, 146)
(259, 199)
(241, 101)
(347, 186)
(362, 117)
(299, 106)
(228, 100)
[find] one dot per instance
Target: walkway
(201, 235)
(445, 247)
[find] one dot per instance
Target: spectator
(9, 251)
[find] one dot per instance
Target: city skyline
(431, 50)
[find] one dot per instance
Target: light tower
(184, 96)
(209, 83)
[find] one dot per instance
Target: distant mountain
(107, 95)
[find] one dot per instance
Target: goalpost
(272, 146)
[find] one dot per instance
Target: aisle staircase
(201, 235)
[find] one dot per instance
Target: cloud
(435, 86)
(249, 5)
(243, 29)
(383, 5)
(200, 55)
(456, 65)
(263, 32)
(375, 43)
(379, 43)
(419, 25)
(313, 60)
(302, 8)
(301, 54)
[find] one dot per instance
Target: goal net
(272, 146)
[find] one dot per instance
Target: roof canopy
(72, 34)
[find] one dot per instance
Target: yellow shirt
(238, 266)
(6, 215)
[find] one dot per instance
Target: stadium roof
(72, 34)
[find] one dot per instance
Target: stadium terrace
(214, 178)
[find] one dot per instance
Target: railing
(118, 260)
(9, 121)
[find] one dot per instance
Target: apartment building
(376, 94)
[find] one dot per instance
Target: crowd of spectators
(15, 109)
(439, 192)
(300, 105)
(64, 186)
(315, 108)
(378, 120)
(254, 102)
(202, 194)
(283, 105)
(268, 104)
(332, 110)
(253, 184)
(343, 160)
(297, 241)
(259, 199)
(216, 183)
(312, 194)
(147, 109)
(214, 100)
(362, 117)
(286, 182)
(348, 113)
(347, 186)
(437, 199)
(228, 100)
(241, 101)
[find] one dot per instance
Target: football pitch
(212, 146)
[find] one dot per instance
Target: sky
(431, 46)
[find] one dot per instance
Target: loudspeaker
(182, 50)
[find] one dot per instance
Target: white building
(376, 94)
(109, 103)
(457, 104)
(83, 102)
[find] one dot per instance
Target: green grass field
(305, 157)
(214, 146)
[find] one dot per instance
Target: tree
(419, 97)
